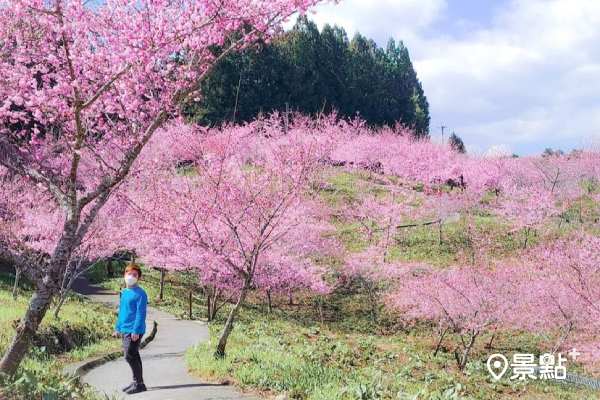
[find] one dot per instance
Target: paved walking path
(165, 370)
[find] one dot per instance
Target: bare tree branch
(105, 87)
(12, 158)
(32, 273)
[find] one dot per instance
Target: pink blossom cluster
(237, 211)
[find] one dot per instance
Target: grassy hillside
(340, 353)
(329, 347)
(83, 330)
(347, 358)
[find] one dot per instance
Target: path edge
(98, 361)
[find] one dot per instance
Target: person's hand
(117, 335)
(134, 337)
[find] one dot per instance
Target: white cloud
(381, 19)
(529, 78)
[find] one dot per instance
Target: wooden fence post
(190, 304)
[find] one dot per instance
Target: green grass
(274, 354)
(422, 243)
(82, 330)
(346, 187)
(341, 353)
(584, 208)
(417, 244)
(348, 356)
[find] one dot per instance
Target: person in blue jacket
(131, 325)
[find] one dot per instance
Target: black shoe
(126, 388)
(136, 389)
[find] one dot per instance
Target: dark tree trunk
(212, 297)
(110, 270)
(462, 356)
(63, 294)
(73, 271)
(526, 238)
(212, 301)
(210, 306)
(61, 301)
(15, 291)
(371, 290)
(269, 303)
(16, 351)
(46, 288)
(439, 343)
(220, 351)
(488, 346)
(163, 272)
(321, 316)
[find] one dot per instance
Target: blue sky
(516, 74)
(460, 17)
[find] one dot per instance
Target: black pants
(131, 349)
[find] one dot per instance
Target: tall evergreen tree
(334, 53)
(307, 91)
(316, 71)
(457, 143)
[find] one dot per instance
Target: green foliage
(277, 353)
(316, 72)
(549, 152)
(7, 280)
(582, 209)
(46, 384)
(591, 185)
(82, 331)
(53, 387)
(99, 272)
(457, 143)
(346, 187)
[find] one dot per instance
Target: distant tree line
(316, 72)
(457, 144)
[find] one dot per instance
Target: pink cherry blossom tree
(379, 217)
(394, 151)
(443, 207)
(538, 190)
(286, 276)
(469, 301)
(563, 294)
(85, 86)
(489, 173)
(233, 214)
(374, 274)
(109, 233)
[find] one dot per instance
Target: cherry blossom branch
(11, 158)
(105, 87)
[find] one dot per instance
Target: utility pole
(287, 118)
(237, 95)
(442, 127)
